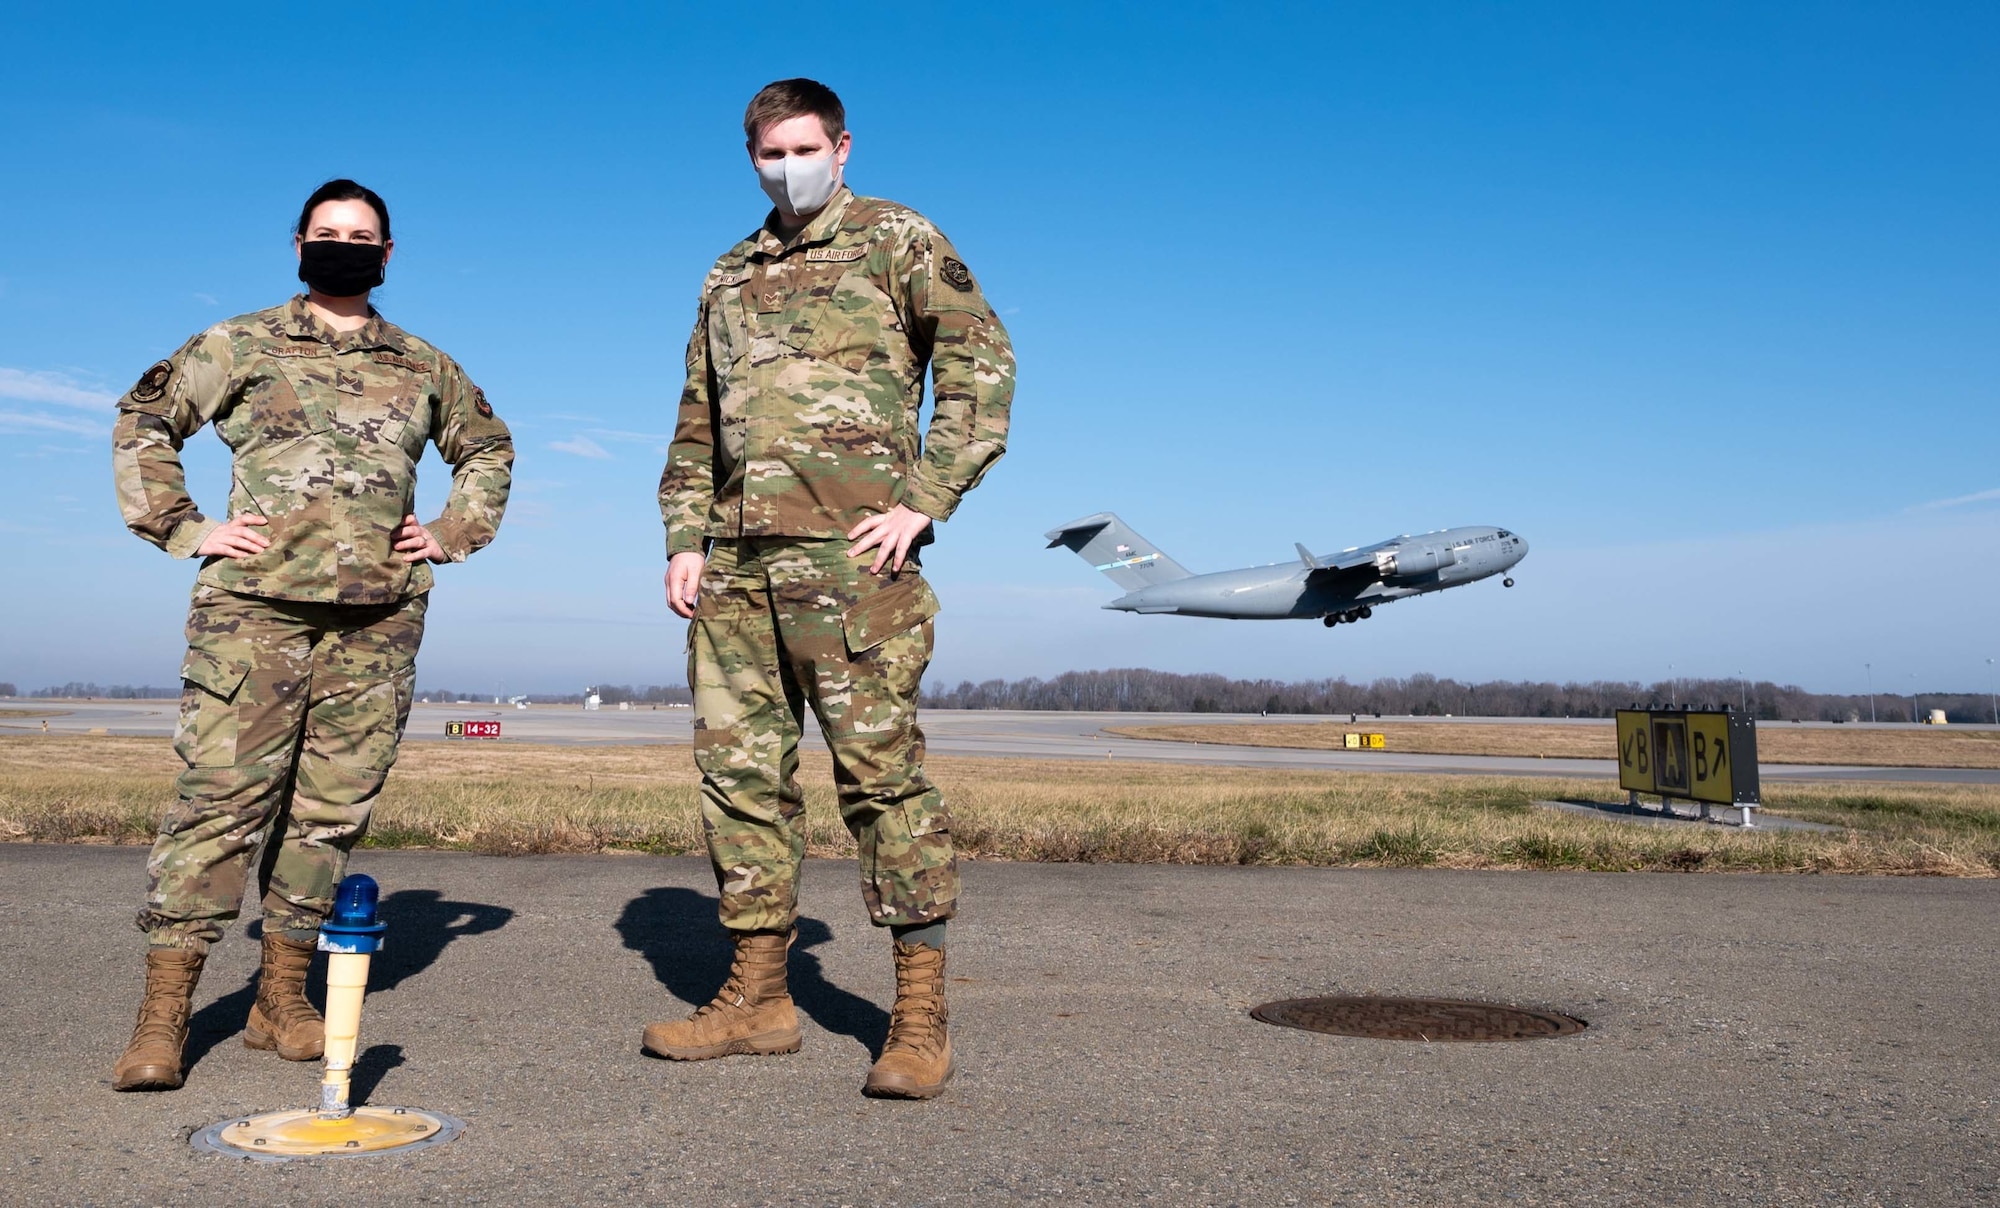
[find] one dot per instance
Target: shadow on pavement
(422, 924)
(675, 930)
(218, 1021)
(377, 1060)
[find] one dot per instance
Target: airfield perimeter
(1753, 1040)
(981, 732)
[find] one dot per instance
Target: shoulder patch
(956, 275)
(152, 384)
(480, 404)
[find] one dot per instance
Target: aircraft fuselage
(1400, 568)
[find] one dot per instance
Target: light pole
(1995, 697)
(1673, 689)
(1870, 668)
(1742, 691)
(1913, 698)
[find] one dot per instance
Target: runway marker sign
(472, 729)
(1701, 755)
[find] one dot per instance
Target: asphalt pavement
(996, 733)
(1752, 1040)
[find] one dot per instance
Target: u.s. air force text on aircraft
(1346, 586)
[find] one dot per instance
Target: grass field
(1776, 742)
(517, 799)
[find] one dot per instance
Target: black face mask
(340, 270)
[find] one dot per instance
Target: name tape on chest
(835, 255)
(400, 362)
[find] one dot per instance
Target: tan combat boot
(282, 1019)
(752, 1013)
(152, 1062)
(916, 1061)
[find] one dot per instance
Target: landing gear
(1506, 582)
(1330, 620)
(1350, 617)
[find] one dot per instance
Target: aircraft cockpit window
(1503, 533)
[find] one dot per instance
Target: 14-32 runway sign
(1694, 754)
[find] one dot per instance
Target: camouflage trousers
(784, 623)
(290, 715)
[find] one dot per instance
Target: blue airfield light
(353, 926)
(351, 936)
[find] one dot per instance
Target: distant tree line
(610, 694)
(1139, 690)
(79, 691)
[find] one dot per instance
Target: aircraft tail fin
(1110, 545)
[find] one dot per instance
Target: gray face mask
(797, 185)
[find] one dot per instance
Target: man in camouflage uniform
(798, 470)
(301, 651)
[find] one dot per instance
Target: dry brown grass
(1776, 742)
(508, 798)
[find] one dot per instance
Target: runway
(992, 733)
(1766, 1040)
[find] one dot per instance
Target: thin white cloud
(207, 299)
(581, 446)
(644, 438)
(58, 388)
(28, 421)
(1988, 496)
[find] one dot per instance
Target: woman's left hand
(416, 543)
(893, 530)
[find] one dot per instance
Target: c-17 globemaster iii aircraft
(1346, 586)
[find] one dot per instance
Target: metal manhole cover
(1422, 1019)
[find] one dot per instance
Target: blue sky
(1699, 297)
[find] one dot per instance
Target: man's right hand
(237, 539)
(684, 583)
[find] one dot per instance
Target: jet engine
(1412, 562)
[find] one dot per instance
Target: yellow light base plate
(306, 1133)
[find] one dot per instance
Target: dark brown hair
(786, 99)
(345, 190)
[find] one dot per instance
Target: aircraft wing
(1350, 563)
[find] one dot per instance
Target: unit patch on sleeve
(956, 275)
(152, 384)
(480, 404)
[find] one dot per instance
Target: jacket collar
(377, 332)
(823, 227)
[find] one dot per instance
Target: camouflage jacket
(805, 376)
(327, 428)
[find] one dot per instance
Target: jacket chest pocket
(848, 320)
(416, 428)
(379, 414)
(290, 397)
(728, 324)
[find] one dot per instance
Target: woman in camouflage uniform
(307, 613)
